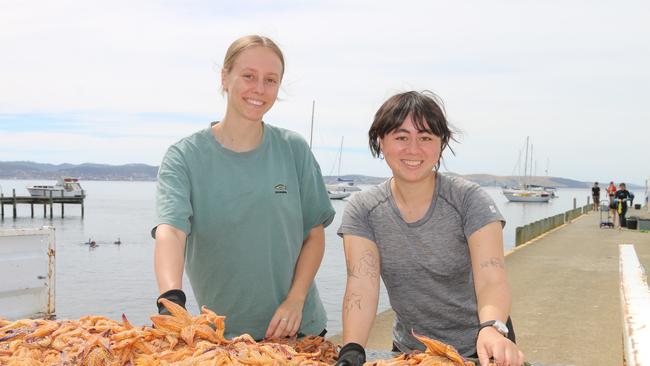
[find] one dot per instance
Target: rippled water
(114, 279)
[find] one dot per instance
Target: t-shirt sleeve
(356, 219)
(173, 204)
(478, 210)
(315, 203)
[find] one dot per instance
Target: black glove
(352, 354)
(176, 296)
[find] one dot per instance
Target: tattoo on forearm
(367, 266)
(493, 262)
(351, 302)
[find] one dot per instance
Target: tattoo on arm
(493, 262)
(351, 302)
(367, 266)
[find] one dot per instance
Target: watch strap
(491, 323)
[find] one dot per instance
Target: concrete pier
(565, 286)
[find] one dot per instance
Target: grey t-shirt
(426, 265)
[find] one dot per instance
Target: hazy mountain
(91, 171)
(86, 171)
(493, 180)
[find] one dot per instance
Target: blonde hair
(246, 42)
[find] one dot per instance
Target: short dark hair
(427, 114)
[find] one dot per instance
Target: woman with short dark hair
(435, 240)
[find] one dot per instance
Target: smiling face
(252, 83)
(411, 154)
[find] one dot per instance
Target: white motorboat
(338, 195)
(64, 187)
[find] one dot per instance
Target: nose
(259, 86)
(413, 146)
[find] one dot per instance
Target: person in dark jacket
(595, 194)
(621, 196)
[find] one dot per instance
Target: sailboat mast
(311, 131)
(340, 153)
(531, 164)
(526, 162)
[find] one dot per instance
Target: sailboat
(343, 184)
(343, 188)
(333, 194)
(525, 192)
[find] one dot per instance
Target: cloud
(571, 74)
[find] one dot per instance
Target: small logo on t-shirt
(280, 188)
(493, 209)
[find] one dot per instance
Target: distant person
(435, 240)
(611, 191)
(241, 206)
(595, 194)
(622, 196)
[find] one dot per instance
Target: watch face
(500, 327)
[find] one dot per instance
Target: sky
(118, 82)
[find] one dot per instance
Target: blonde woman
(241, 207)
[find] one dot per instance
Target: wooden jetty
(14, 201)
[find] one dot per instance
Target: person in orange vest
(611, 191)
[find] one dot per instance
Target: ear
(224, 80)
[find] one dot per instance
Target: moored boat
(338, 195)
(65, 186)
(526, 195)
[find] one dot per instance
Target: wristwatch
(497, 324)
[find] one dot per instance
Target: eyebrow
(255, 70)
(398, 130)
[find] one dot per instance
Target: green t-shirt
(246, 216)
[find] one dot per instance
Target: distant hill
(143, 172)
(492, 180)
(86, 171)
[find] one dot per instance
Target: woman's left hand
(286, 320)
(492, 344)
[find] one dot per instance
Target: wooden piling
(14, 201)
(51, 207)
(52, 199)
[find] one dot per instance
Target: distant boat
(343, 184)
(118, 241)
(526, 192)
(338, 195)
(550, 190)
(526, 195)
(67, 186)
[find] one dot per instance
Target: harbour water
(114, 279)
